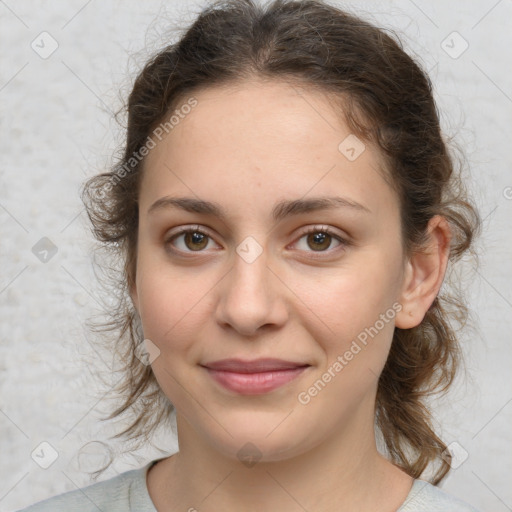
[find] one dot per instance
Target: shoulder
(425, 497)
(124, 492)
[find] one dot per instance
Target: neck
(346, 473)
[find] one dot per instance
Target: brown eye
(319, 241)
(188, 240)
(195, 240)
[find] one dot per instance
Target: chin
(260, 442)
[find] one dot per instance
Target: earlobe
(405, 317)
(424, 274)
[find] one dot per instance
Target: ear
(424, 274)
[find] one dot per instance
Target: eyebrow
(280, 211)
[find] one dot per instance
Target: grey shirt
(128, 492)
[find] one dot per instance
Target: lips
(255, 366)
(254, 377)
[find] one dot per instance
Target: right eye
(192, 239)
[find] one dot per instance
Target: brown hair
(387, 99)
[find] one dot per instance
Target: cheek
(172, 305)
(349, 300)
(351, 315)
(355, 346)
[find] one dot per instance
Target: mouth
(254, 377)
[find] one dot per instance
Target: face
(309, 285)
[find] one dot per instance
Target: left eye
(320, 239)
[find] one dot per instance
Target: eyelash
(312, 230)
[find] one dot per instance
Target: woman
(285, 211)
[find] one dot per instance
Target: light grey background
(57, 129)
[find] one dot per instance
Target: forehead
(279, 114)
(263, 140)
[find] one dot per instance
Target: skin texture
(247, 146)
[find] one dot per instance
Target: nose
(252, 298)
